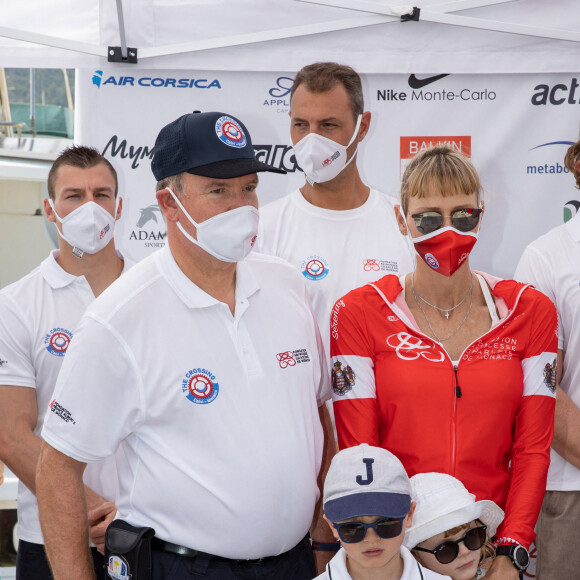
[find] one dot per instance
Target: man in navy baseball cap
(206, 144)
(223, 422)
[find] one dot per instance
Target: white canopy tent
(452, 36)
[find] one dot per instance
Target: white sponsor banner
(515, 128)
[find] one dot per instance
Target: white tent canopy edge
(488, 36)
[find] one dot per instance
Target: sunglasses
(464, 220)
(353, 532)
(447, 551)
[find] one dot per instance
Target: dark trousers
(297, 564)
(32, 563)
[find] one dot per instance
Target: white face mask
(228, 236)
(322, 159)
(89, 228)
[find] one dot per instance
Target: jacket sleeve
(352, 374)
(534, 425)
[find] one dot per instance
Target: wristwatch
(516, 553)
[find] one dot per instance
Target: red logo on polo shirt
(371, 264)
(286, 359)
(291, 358)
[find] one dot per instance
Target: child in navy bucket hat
(367, 504)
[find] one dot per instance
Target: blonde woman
(450, 369)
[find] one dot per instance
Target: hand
(321, 558)
(502, 569)
(99, 520)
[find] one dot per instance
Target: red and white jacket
(487, 419)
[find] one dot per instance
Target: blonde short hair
(442, 169)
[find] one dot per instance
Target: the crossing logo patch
(118, 568)
(230, 132)
(57, 340)
(200, 386)
(550, 376)
(315, 268)
(342, 378)
(432, 261)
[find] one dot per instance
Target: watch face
(521, 557)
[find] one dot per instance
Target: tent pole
(53, 41)
(122, 28)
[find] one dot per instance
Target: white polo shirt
(337, 569)
(216, 415)
(335, 251)
(38, 315)
(552, 264)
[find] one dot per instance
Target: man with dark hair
(336, 230)
(208, 364)
(83, 158)
(38, 316)
(552, 264)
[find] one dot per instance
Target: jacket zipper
(458, 395)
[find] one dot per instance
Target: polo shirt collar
(57, 277)
(191, 294)
(52, 272)
(573, 227)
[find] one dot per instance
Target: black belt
(163, 546)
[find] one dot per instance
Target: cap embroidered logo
(368, 461)
(230, 132)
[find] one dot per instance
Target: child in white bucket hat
(367, 503)
(451, 531)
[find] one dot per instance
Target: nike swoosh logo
(416, 83)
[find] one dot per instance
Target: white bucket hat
(444, 503)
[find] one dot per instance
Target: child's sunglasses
(447, 551)
(353, 532)
(464, 220)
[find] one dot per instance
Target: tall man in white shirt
(211, 367)
(38, 316)
(552, 264)
(335, 229)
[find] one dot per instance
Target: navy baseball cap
(366, 481)
(208, 144)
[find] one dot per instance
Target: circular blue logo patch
(200, 387)
(57, 340)
(230, 132)
(315, 268)
(432, 261)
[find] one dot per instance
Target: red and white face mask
(444, 250)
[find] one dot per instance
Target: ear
(167, 205)
(400, 221)
(332, 528)
(410, 514)
(119, 209)
(48, 211)
(365, 124)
